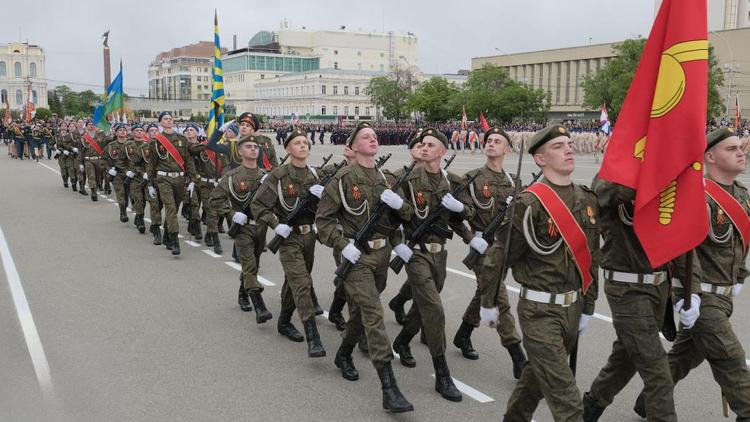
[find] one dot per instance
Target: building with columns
(21, 65)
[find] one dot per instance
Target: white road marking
(211, 253)
(48, 167)
(30, 333)
(234, 265)
(110, 200)
(266, 282)
(180, 236)
(471, 392)
(325, 314)
(148, 220)
(193, 244)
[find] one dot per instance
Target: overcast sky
(449, 33)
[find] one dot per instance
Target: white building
(317, 95)
(724, 14)
(22, 64)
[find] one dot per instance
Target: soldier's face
(366, 142)
(727, 156)
(496, 146)
(249, 151)
(81, 124)
(121, 132)
(246, 129)
(557, 156)
(432, 149)
(298, 148)
(72, 127)
(190, 134)
(90, 127)
(153, 131)
(167, 122)
(138, 133)
(416, 152)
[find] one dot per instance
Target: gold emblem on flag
(666, 203)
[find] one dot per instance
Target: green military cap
(360, 126)
(493, 130)
(428, 131)
(545, 135)
(251, 138)
(295, 133)
(719, 135)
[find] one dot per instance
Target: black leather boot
(167, 241)
(197, 230)
(519, 359)
(316, 306)
(220, 224)
(94, 196)
(343, 361)
(401, 346)
(640, 406)
(107, 188)
(65, 182)
(363, 345)
(462, 340)
(261, 312)
(393, 400)
(156, 231)
(335, 314)
(243, 299)
(123, 213)
(314, 347)
(217, 245)
(82, 188)
(139, 224)
(287, 329)
(209, 239)
(397, 306)
(175, 243)
(443, 381)
(591, 411)
(74, 182)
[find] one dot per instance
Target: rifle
(429, 225)
(448, 161)
(326, 160)
(283, 159)
(367, 229)
(302, 207)
(382, 160)
(234, 228)
(489, 232)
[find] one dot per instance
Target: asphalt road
(100, 325)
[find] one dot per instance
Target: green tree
(491, 91)
(87, 100)
(43, 113)
(610, 84)
(435, 98)
(391, 93)
(54, 103)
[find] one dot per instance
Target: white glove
(263, 179)
(80, 166)
(479, 244)
(583, 323)
(404, 252)
(488, 316)
(239, 218)
(351, 253)
(191, 187)
(392, 199)
(75, 149)
(112, 172)
(66, 152)
(152, 192)
(317, 190)
(736, 289)
(130, 174)
(226, 125)
(452, 203)
(283, 230)
(145, 176)
(688, 317)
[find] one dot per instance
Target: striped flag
(737, 115)
(216, 112)
(604, 119)
(463, 119)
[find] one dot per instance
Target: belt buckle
(304, 229)
(568, 298)
(658, 278)
(434, 247)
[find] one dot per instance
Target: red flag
(737, 116)
(483, 121)
(658, 146)
(463, 120)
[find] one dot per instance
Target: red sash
(569, 228)
(212, 158)
(732, 207)
(93, 143)
(171, 149)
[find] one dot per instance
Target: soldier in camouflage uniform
(61, 133)
(119, 168)
(89, 161)
(553, 307)
(341, 212)
(133, 149)
(154, 203)
(69, 145)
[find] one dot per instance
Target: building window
(558, 68)
(17, 70)
(4, 96)
(367, 111)
(359, 53)
(382, 54)
(356, 110)
(323, 110)
(335, 65)
(346, 110)
(335, 90)
(356, 90)
(32, 70)
(3, 70)
(346, 90)
(34, 97)
(19, 97)
(335, 110)
(567, 82)
(323, 89)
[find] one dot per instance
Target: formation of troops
(554, 235)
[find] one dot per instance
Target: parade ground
(101, 325)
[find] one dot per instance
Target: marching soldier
(133, 149)
(554, 220)
(341, 212)
(428, 187)
(721, 259)
(61, 160)
(92, 151)
(230, 198)
(119, 168)
(69, 146)
(170, 169)
(101, 166)
(208, 178)
(154, 203)
(277, 197)
(487, 193)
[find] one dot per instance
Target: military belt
(303, 228)
(374, 244)
(654, 278)
(90, 158)
(170, 173)
(432, 247)
(708, 288)
(562, 299)
(210, 180)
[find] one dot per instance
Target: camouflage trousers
(248, 251)
(297, 253)
(426, 275)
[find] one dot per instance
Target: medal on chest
(290, 190)
(114, 153)
(420, 199)
(590, 214)
(356, 193)
(486, 190)
(551, 228)
(146, 152)
(720, 216)
(243, 186)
